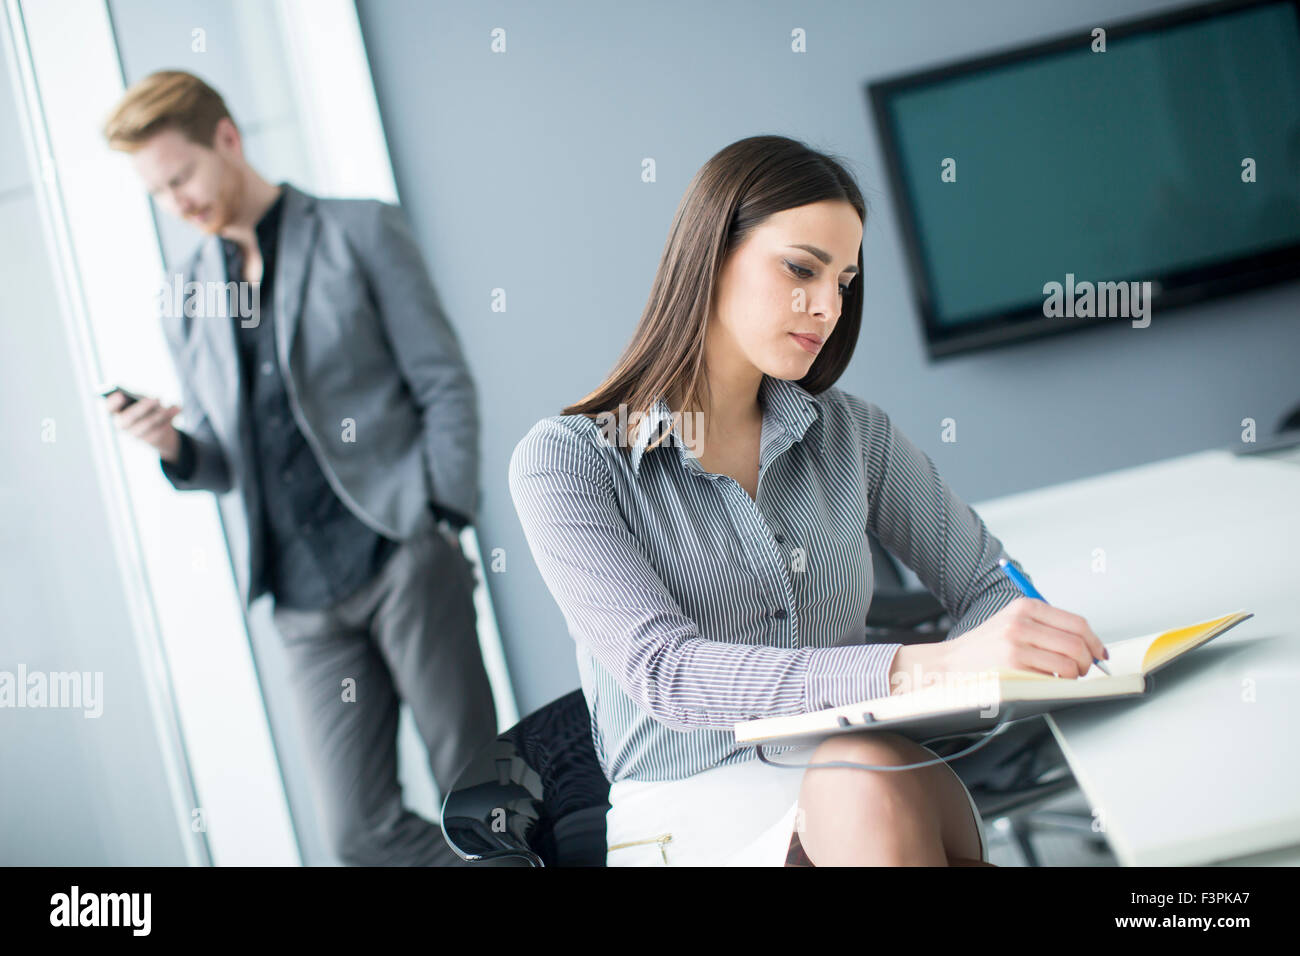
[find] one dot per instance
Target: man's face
(194, 183)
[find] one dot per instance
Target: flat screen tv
(1099, 178)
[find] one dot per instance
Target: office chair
(534, 797)
(537, 796)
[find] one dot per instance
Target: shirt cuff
(183, 468)
(848, 675)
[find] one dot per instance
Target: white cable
(1002, 725)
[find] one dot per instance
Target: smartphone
(107, 390)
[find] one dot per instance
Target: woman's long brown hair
(731, 195)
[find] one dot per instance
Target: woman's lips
(807, 343)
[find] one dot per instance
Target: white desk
(1192, 774)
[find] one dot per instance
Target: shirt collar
(790, 405)
(270, 221)
(266, 227)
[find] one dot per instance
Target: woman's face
(779, 295)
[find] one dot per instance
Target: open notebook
(978, 703)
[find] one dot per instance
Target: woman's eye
(803, 273)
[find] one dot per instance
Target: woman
(701, 520)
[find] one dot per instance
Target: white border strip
(126, 545)
(194, 646)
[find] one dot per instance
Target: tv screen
(1039, 187)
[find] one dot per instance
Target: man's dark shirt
(315, 551)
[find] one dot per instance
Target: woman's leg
(851, 817)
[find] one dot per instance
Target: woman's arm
(916, 516)
(615, 604)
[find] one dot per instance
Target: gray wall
(521, 171)
(74, 790)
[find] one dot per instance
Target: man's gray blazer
(374, 373)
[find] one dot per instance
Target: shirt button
(780, 614)
(780, 539)
(268, 368)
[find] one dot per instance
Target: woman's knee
(870, 749)
(839, 802)
(934, 791)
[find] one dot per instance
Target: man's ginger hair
(167, 99)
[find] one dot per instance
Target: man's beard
(222, 211)
(218, 220)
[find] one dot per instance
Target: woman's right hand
(1027, 635)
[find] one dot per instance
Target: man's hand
(451, 536)
(150, 421)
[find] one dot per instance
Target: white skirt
(740, 814)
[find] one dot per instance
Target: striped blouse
(694, 606)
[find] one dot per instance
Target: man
(331, 392)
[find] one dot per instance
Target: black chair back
(536, 796)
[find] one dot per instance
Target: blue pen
(1029, 591)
